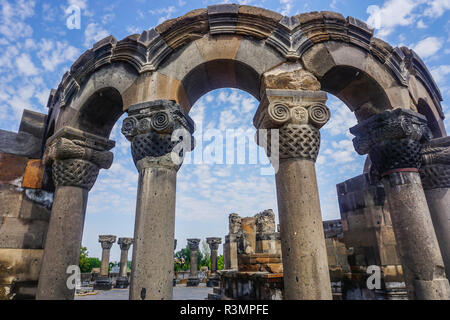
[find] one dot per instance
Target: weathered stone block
(17, 233)
(11, 200)
(34, 174)
(19, 265)
(12, 168)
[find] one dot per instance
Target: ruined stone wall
(25, 203)
(368, 234)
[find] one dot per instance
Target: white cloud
(428, 47)
(393, 13)
(286, 6)
(93, 33)
(421, 24)
(341, 119)
(53, 53)
(437, 8)
(26, 66)
(166, 13)
(12, 19)
(440, 73)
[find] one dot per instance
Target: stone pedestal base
(102, 283)
(213, 282)
(192, 282)
(122, 283)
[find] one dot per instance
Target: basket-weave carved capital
(157, 129)
(296, 117)
(76, 157)
(393, 139)
(435, 171)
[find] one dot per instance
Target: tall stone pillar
(435, 175)
(76, 158)
(393, 140)
(230, 246)
(193, 277)
(103, 282)
(160, 132)
(213, 280)
(125, 244)
(296, 116)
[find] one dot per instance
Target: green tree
(84, 260)
(87, 263)
(220, 262)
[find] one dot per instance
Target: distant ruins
(395, 214)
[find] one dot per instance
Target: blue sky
(36, 48)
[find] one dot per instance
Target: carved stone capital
(297, 116)
(234, 223)
(193, 244)
(125, 243)
(393, 139)
(106, 241)
(76, 157)
(155, 129)
(214, 243)
(435, 171)
(265, 221)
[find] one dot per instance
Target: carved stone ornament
(298, 116)
(151, 126)
(435, 171)
(265, 221)
(107, 241)
(76, 157)
(125, 243)
(214, 243)
(234, 223)
(393, 139)
(193, 244)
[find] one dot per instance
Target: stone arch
(152, 74)
(234, 45)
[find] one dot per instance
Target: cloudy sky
(36, 48)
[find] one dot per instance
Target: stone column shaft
(213, 246)
(298, 115)
(393, 140)
(417, 244)
(193, 276)
(63, 243)
(154, 232)
(155, 129)
(303, 247)
(76, 158)
(122, 280)
(435, 175)
(104, 268)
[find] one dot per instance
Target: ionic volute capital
(297, 116)
(160, 133)
(193, 244)
(77, 156)
(107, 241)
(393, 139)
(125, 243)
